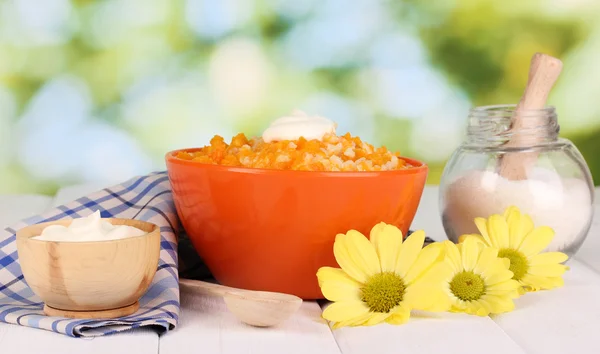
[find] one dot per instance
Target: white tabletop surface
(559, 321)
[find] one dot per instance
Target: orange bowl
(272, 230)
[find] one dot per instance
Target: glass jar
(555, 187)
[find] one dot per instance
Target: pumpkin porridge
(285, 146)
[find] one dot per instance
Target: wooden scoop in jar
(543, 73)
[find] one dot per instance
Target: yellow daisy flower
(516, 239)
(381, 280)
(476, 280)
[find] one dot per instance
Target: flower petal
(330, 273)
(536, 241)
(506, 262)
(439, 273)
(345, 310)
(470, 253)
(487, 256)
(356, 321)
(534, 283)
(376, 231)
(356, 255)
(399, 316)
(376, 318)
(516, 232)
(471, 307)
(428, 257)
(548, 258)
(510, 288)
(387, 240)
(511, 210)
(548, 270)
(409, 252)
(479, 238)
(498, 231)
(499, 304)
(336, 285)
(513, 294)
(481, 224)
(426, 296)
(496, 272)
(453, 257)
(498, 277)
(526, 225)
(374, 234)
(485, 309)
(362, 252)
(345, 261)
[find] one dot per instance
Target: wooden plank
(207, 326)
(429, 333)
(25, 340)
(563, 320)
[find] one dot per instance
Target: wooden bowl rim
(26, 233)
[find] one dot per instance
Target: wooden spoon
(256, 308)
(543, 73)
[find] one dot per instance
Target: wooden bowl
(272, 230)
(99, 279)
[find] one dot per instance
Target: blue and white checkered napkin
(146, 198)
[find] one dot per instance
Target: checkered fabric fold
(146, 198)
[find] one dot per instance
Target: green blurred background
(98, 91)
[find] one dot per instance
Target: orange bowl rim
(419, 167)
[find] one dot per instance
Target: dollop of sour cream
(87, 229)
(299, 124)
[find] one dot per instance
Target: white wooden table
(561, 321)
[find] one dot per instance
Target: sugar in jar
(556, 191)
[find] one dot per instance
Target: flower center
(467, 286)
(383, 291)
(518, 262)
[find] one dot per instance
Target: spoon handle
(543, 73)
(206, 287)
